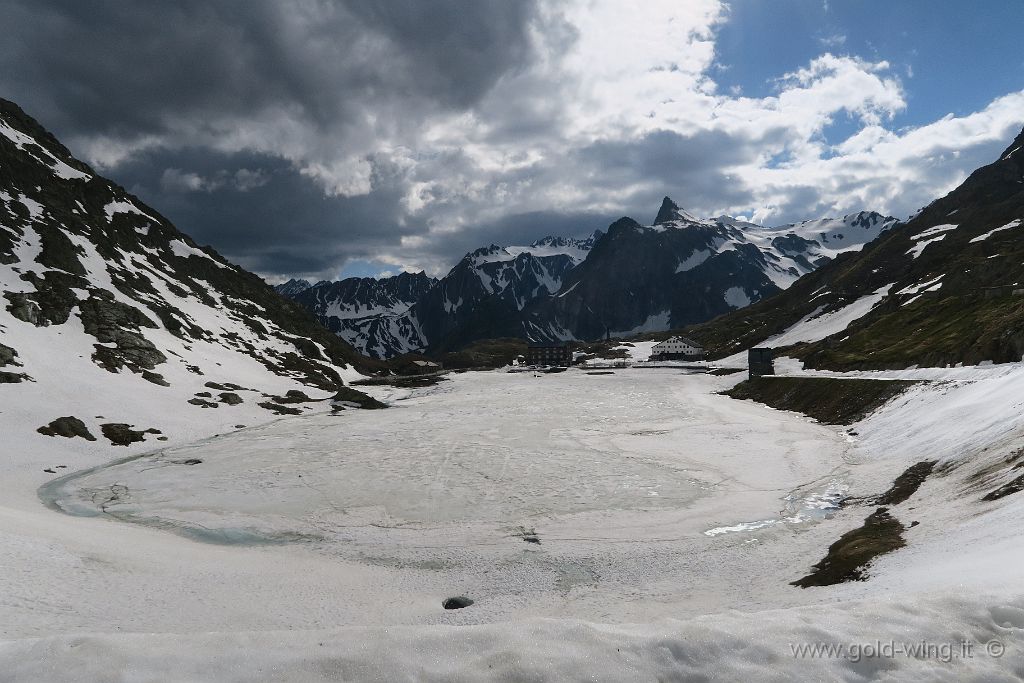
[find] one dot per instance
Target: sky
(326, 139)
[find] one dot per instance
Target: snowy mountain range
(482, 297)
(634, 278)
(944, 289)
(114, 323)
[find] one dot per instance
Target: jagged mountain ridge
(633, 278)
(100, 295)
(293, 287)
(364, 310)
(944, 289)
(682, 270)
(481, 297)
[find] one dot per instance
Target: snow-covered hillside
(117, 329)
(368, 313)
(796, 249)
(945, 288)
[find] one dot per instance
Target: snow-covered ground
(671, 520)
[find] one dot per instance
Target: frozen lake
(608, 527)
(531, 493)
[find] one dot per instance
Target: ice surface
(381, 515)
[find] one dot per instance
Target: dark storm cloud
(287, 227)
(108, 66)
(676, 164)
(284, 226)
(159, 91)
(297, 135)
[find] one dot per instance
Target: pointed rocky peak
(1014, 149)
(668, 212)
(293, 287)
(419, 278)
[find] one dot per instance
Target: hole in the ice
(457, 602)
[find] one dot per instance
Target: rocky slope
(107, 309)
(293, 287)
(944, 289)
(364, 311)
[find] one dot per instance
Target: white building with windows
(676, 348)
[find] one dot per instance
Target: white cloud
(833, 41)
(636, 72)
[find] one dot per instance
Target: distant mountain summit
(293, 287)
(632, 278)
(364, 311)
(671, 213)
(683, 270)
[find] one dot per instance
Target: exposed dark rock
(279, 409)
(7, 356)
(458, 602)
(907, 483)
(203, 403)
(831, 400)
(24, 308)
(57, 250)
(113, 322)
(1015, 486)
(155, 378)
(669, 211)
(12, 377)
(361, 400)
(121, 434)
(51, 303)
(849, 557)
(226, 386)
(67, 427)
(230, 398)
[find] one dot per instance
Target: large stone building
(677, 348)
(549, 354)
